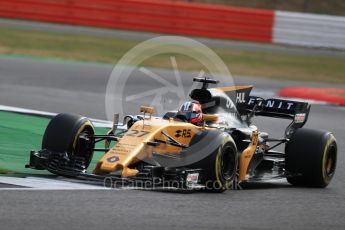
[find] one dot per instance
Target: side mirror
(147, 109)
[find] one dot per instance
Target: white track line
(28, 111)
(96, 122)
(39, 183)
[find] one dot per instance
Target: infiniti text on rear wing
(295, 110)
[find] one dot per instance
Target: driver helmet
(192, 111)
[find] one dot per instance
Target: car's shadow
(243, 186)
(264, 185)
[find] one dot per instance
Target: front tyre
(311, 157)
(70, 133)
(220, 166)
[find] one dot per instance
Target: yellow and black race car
(219, 151)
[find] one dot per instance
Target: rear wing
(297, 111)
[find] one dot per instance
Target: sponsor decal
(272, 103)
(113, 159)
(240, 98)
(192, 178)
(137, 133)
(185, 133)
(300, 117)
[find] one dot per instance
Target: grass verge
(19, 134)
(110, 50)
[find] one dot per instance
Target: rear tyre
(311, 157)
(70, 133)
(220, 167)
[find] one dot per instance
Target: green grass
(336, 7)
(110, 50)
(19, 134)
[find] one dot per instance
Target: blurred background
(252, 37)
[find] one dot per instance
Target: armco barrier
(309, 30)
(149, 15)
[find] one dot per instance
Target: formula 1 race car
(219, 152)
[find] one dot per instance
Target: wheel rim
(84, 149)
(228, 164)
(330, 162)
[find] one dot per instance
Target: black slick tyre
(70, 133)
(311, 157)
(220, 166)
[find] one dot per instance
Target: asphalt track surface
(79, 88)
